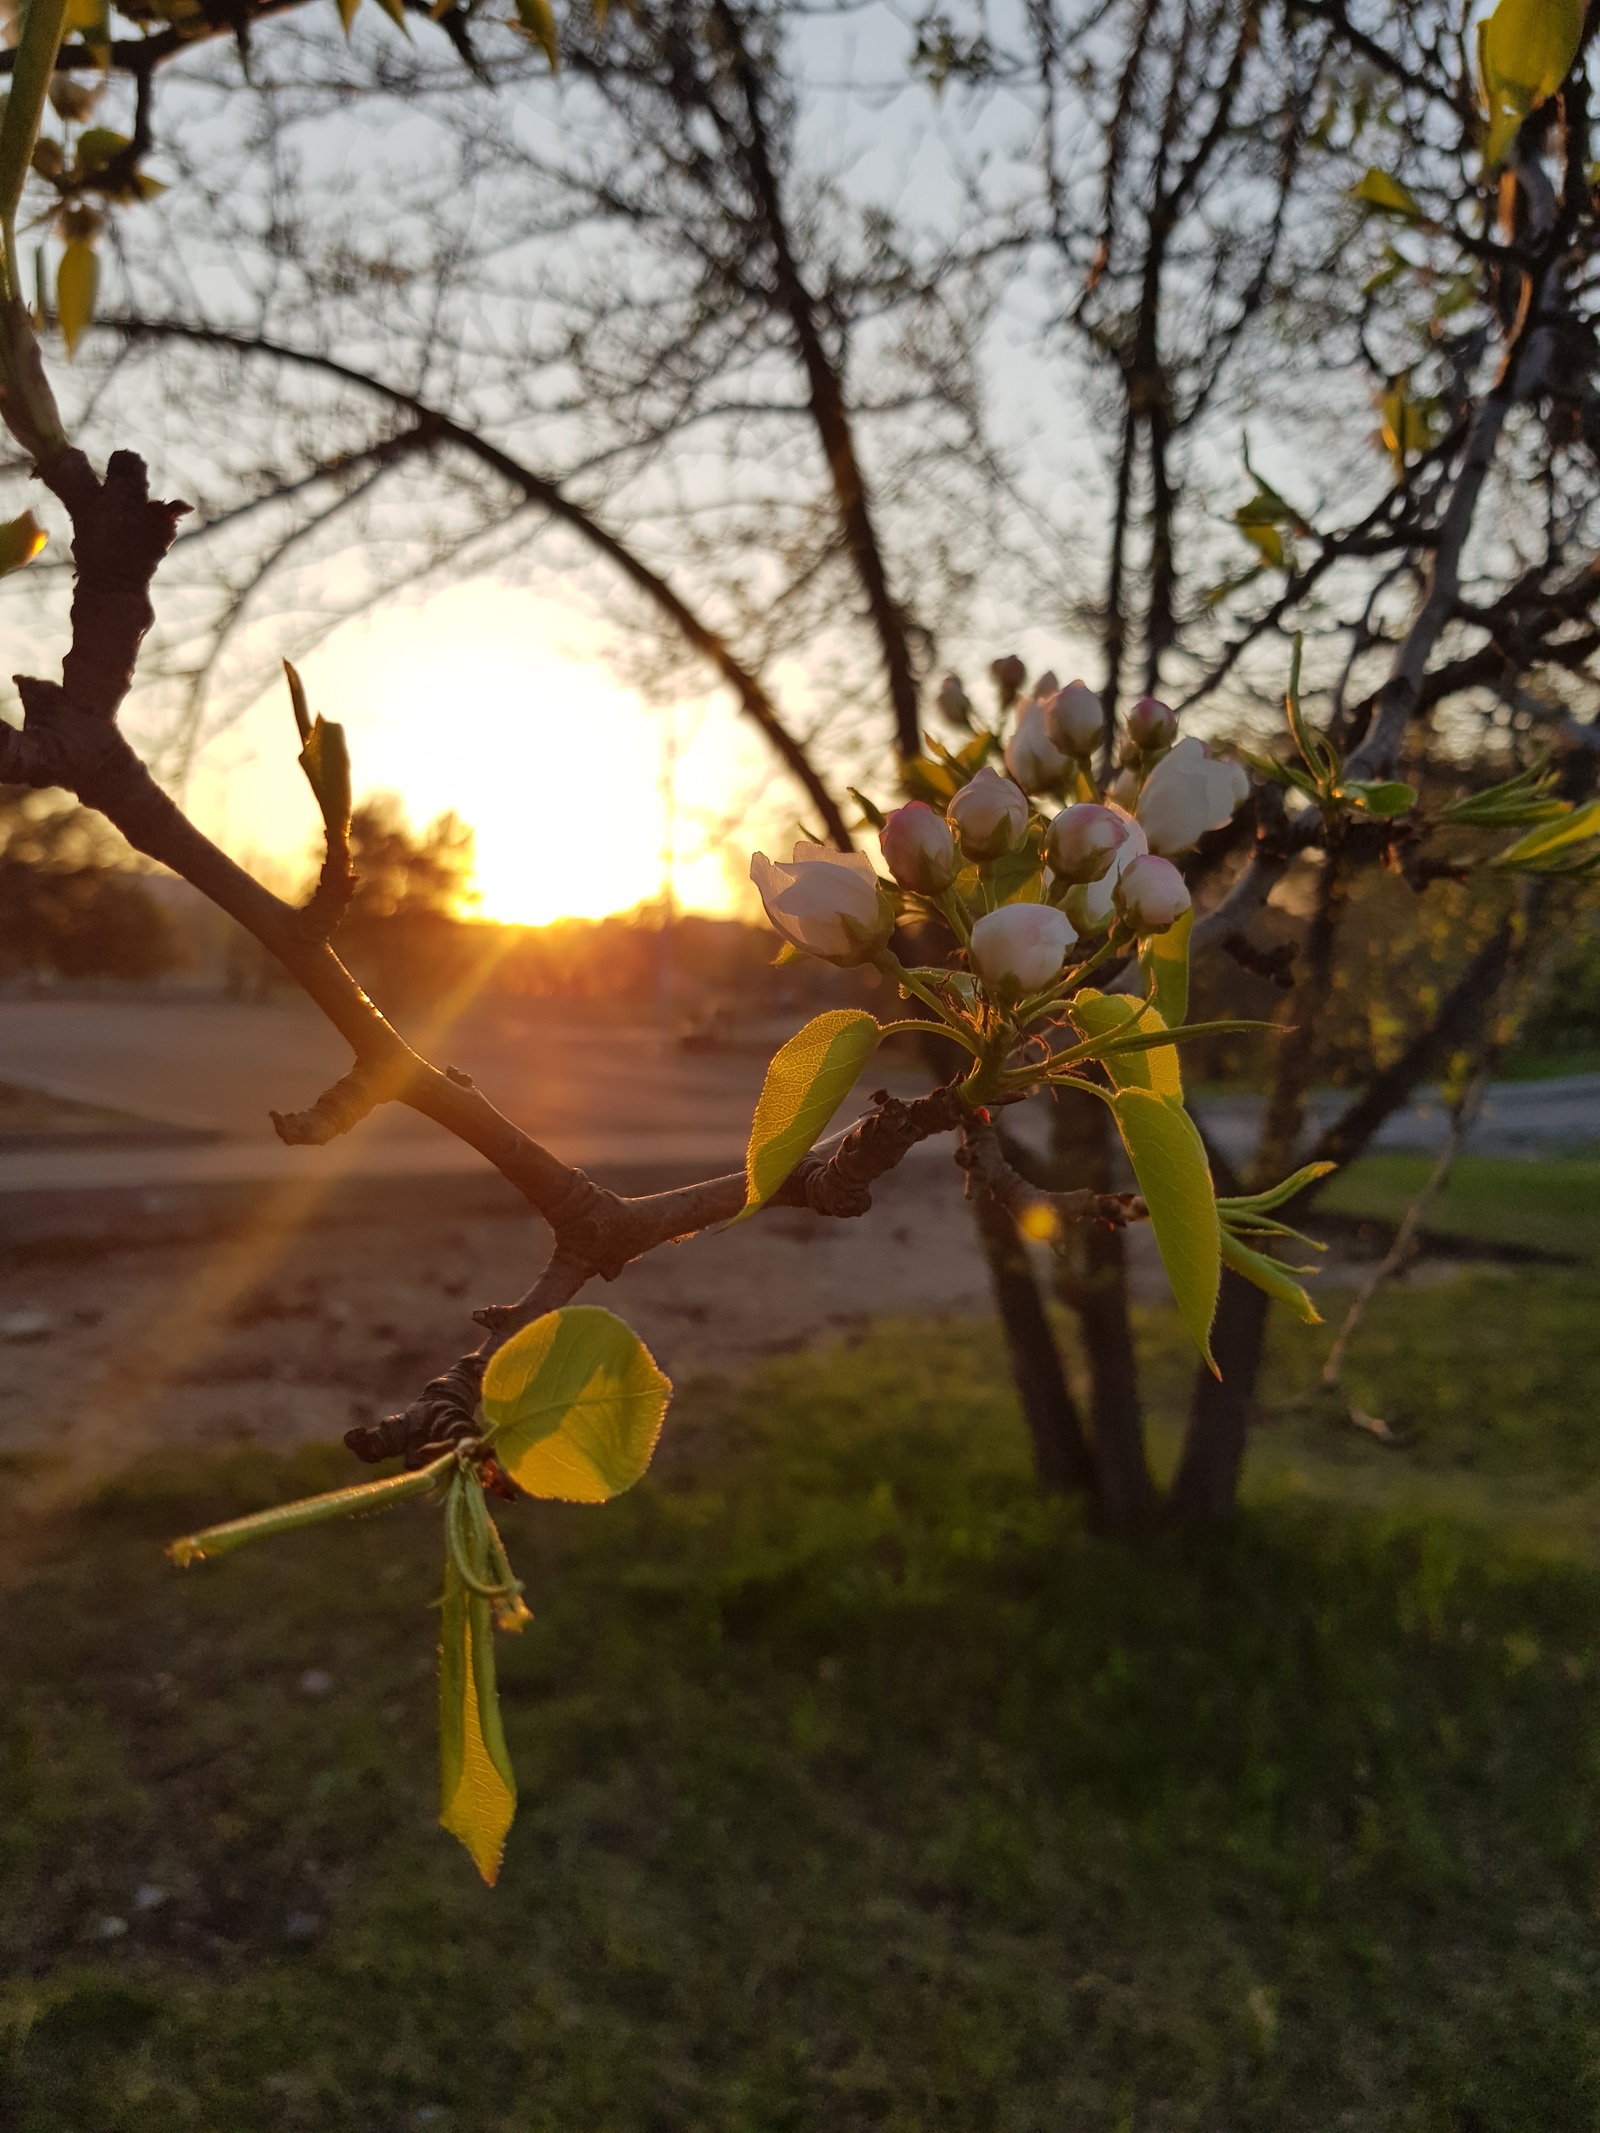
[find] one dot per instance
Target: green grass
(1552, 1205)
(859, 1790)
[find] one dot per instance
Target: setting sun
(498, 705)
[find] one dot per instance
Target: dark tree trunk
(1097, 1290)
(1207, 1479)
(1061, 1456)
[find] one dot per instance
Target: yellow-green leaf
(538, 23)
(1377, 189)
(1272, 1276)
(20, 541)
(1099, 1014)
(347, 14)
(77, 278)
(477, 1786)
(1266, 540)
(1384, 798)
(923, 779)
(1525, 52)
(325, 759)
(573, 1405)
(1552, 838)
(1169, 1161)
(808, 1080)
(1164, 959)
(97, 145)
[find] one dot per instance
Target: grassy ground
(860, 1789)
(1553, 1205)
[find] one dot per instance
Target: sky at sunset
(499, 704)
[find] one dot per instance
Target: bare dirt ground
(290, 1319)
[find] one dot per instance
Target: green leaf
(41, 25)
(870, 808)
(1320, 759)
(1267, 540)
(364, 1497)
(1384, 798)
(1519, 802)
(537, 22)
(1378, 190)
(1271, 1275)
(1164, 959)
(325, 759)
(971, 755)
(923, 779)
(20, 541)
(477, 1785)
(1525, 51)
(1017, 877)
(1551, 840)
(1100, 1015)
(1263, 1203)
(807, 1081)
(573, 1404)
(76, 280)
(97, 146)
(1169, 1162)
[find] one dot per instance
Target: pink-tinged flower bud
(1075, 720)
(1084, 841)
(830, 904)
(1089, 911)
(1151, 894)
(989, 816)
(1152, 726)
(1008, 675)
(954, 702)
(1031, 758)
(1046, 686)
(1187, 794)
(1020, 948)
(919, 850)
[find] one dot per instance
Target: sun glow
(463, 703)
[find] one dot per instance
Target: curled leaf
(477, 1785)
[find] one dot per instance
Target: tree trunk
(1207, 1480)
(1097, 1290)
(1061, 1456)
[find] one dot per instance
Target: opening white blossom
(1188, 793)
(1031, 756)
(830, 904)
(918, 849)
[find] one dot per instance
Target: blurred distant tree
(402, 930)
(70, 904)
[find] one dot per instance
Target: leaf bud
(918, 849)
(989, 816)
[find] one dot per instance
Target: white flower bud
(830, 904)
(954, 701)
(1089, 904)
(1124, 789)
(1031, 757)
(989, 816)
(1186, 795)
(1084, 840)
(919, 850)
(1020, 947)
(1152, 726)
(1151, 894)
(1075, 719)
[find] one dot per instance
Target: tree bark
(1096, 1289)
(1061, 1458)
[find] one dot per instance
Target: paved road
(600, 1096)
